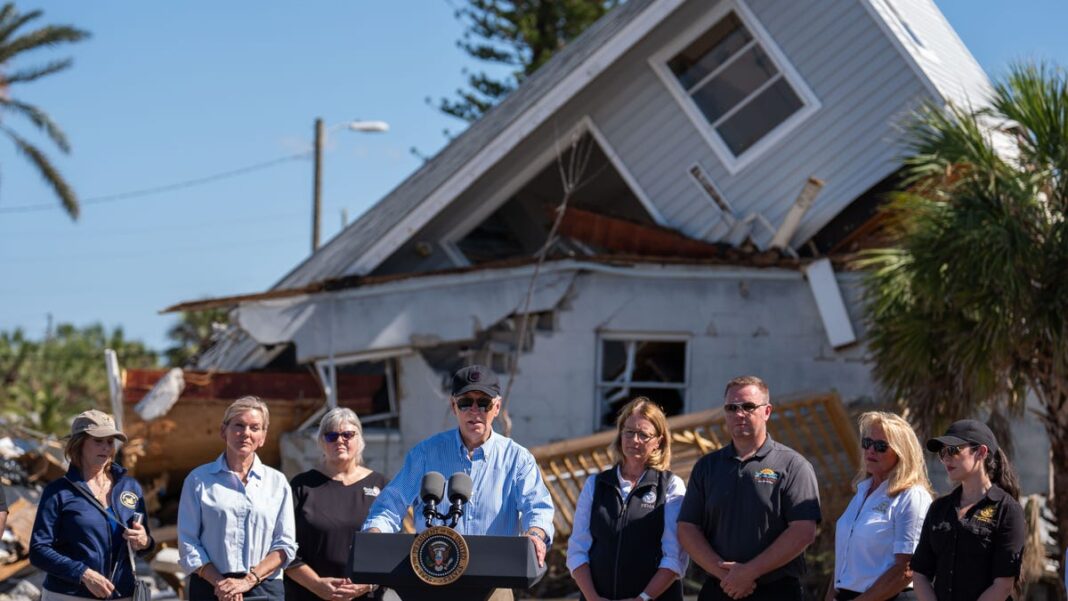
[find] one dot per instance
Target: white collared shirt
(872, 530)
(580, 541)
(233, 525)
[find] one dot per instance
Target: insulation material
(162, 397)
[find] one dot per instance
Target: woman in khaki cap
(87, 518)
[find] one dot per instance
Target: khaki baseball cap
(96, 424)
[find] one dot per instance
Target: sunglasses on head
(484, 403)
(881, 446)
(333, 436)
(747, 407)
(953, 450)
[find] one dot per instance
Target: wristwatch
(644, 596)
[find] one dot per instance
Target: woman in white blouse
(878, 532)
(623, 544)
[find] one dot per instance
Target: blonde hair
(659, 459)
(911, 470)
(247, 403)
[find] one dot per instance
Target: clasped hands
(738, 580)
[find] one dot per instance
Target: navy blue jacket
(71, 535)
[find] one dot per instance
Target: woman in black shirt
(972, 539)
(331, 504)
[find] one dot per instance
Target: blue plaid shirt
(508, 498)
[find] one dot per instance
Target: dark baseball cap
(476, 377)
(965, 431)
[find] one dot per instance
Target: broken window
(521, 225)
(735, 84)
(633, 367)
(369, 389)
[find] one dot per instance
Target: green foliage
(15, 41)
(522, 35)
(192, 334)
(46, 382)
(967, 306)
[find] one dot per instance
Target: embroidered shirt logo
(649, 498)
(371, 491)
(986, 514)
(128, 499)
(883, 507)
(767, 476)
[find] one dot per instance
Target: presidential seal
(439, 555)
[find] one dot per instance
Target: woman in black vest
(623, 544)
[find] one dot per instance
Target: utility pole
(317, 184)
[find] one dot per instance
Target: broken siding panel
(843, 56)
(865, 88)
(871, 162)
(657, 151)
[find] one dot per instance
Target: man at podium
(508, 497)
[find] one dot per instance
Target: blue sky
(170, 92)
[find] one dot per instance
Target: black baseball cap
(965, 431)
(476, 377)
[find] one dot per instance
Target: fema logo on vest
(649, 500)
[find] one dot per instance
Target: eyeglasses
(465, 403)
(747, 407)
(333, 436)
(953, 451)
(642, 437)
(881, 446)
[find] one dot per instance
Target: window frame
(810, 104)
(326, 370)
(624, 336)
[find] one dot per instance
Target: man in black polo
(751, 508)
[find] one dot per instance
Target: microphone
(460, 486)
(432, 491)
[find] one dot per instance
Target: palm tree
(12, 44)
(968, 306)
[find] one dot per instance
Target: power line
(160, 189)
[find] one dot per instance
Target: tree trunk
(1057, 428)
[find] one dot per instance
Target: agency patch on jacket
(767, 476)
(128, 499)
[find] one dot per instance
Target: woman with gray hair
(331, 503)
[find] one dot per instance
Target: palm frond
(28, 75)
(48, 172)
(49, 35)
(39, 118)
(11, 20)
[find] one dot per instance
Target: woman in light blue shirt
(235, 518)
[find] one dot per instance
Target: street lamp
(317, 180)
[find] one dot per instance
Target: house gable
(859, 82)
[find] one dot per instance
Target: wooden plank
(799, 420)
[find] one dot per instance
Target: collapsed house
(660, 207)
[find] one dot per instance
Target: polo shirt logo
(371, 491)
(883, 507)
(986, 514)
(767, 476)
(128, 499)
